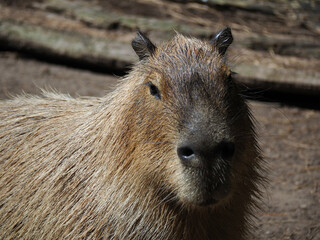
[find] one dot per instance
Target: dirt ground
(289, 137)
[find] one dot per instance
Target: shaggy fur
(107, 168)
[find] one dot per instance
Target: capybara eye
(231, 75)
(154, 90)
(229, 78)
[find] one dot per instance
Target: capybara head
(193, 116)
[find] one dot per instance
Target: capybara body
(169, 154)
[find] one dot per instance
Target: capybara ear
(222, 40)
(142, 46)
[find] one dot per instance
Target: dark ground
(289, 137)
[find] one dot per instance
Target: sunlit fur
(107, 168)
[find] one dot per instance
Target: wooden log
(98, 17)
(65, 46)
(296, 44)
(279, 79)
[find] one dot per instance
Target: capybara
(171, 153)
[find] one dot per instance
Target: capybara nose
(204, 154)
(186, 154)
(227, 150)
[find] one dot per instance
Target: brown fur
(107, 168)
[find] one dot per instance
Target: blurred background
(82, 47)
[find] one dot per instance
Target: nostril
(227, 150)
(185, 153)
